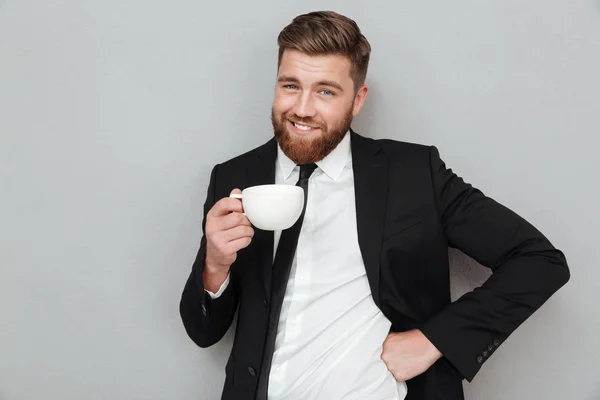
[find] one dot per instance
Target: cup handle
(236, 196)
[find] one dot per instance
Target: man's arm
(206, 320)
(527, 270)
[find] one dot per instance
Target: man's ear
(359, 99)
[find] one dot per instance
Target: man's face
(314, 104)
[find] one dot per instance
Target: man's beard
(304, 150)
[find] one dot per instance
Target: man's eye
(326, 92)
(291, 87)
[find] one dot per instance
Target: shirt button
(479, 360)
(251, 371)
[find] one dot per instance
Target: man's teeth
(302, 127)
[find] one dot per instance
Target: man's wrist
(214, 276)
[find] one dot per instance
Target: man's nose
(304, 106)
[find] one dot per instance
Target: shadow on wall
(465, 273)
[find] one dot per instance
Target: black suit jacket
(410, 208)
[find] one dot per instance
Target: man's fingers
(230, 241)
(225, 206)
(232, 220)
(238, 244)
(237, 233)
(388, 360)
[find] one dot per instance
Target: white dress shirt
(330, 334)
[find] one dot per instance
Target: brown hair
(327, 32)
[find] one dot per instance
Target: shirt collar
(332, 165)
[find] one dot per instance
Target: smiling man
(353, 301)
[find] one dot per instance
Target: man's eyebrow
(292, 79)
(285, 78)
(332, 84)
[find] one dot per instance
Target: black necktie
(286, 249)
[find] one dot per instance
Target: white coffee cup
(272, 207)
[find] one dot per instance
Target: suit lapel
(370, 187)
(260, 170)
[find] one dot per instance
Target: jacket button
(265, 303)
(251, 371)
(479, 360)
(203, 310)
(485, 353)
(496, 343)
(490, 347)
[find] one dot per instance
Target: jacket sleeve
(205, 319)
(527, 270)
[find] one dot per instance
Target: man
(353, 302)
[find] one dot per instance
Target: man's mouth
(303, 128)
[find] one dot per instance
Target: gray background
(113, 112)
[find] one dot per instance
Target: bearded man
(353, 301)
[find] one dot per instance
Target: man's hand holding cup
(227, 231)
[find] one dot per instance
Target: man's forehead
(301, 65)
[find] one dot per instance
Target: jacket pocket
(397, 226)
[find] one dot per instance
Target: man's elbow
(202, 341)
(199, 335)
(194, 325)
(563, 273)
(559, 273)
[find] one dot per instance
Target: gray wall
(113, 112)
